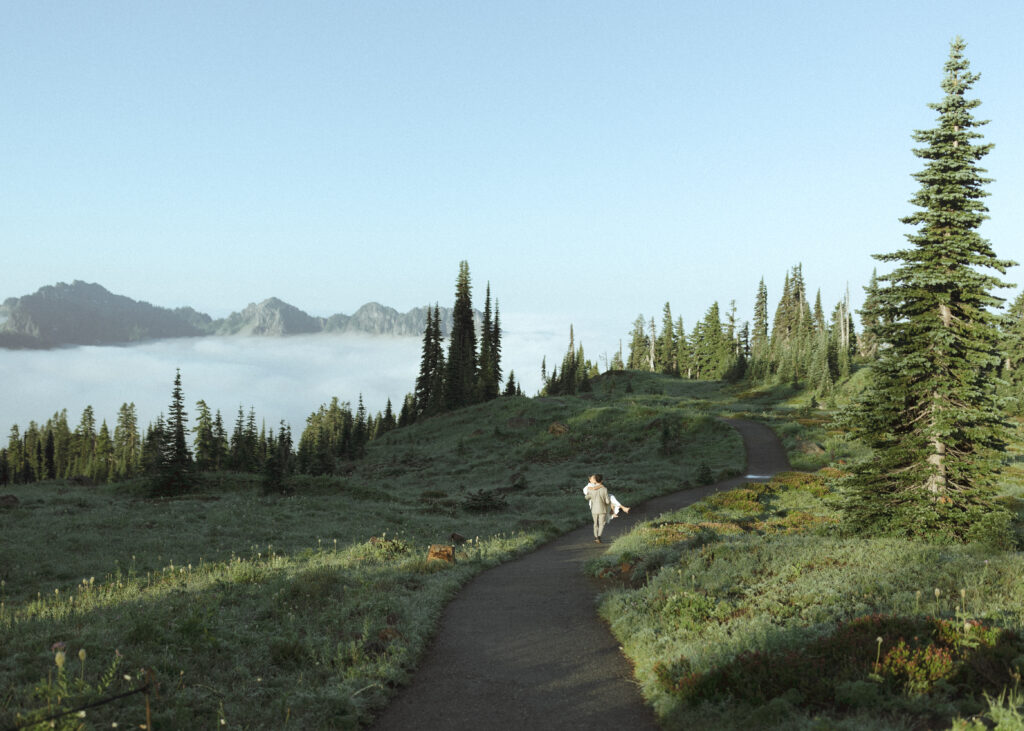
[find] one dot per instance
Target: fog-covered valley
(281, 378)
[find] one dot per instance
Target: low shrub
(870, 659)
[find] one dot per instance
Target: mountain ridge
(83, 313)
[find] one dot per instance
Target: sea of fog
(281, 378)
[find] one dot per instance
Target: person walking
(599, 508)
(595, 482)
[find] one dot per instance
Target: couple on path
(601, 504)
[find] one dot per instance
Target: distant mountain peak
(83, 313)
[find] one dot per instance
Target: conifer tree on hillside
(870, 318)
(639, 346)
(429, 392)
(489, 371)
(666, 351)
(461, 367)
(792, 330)
(103, 458)
(931, 413)
(495, 345)
(204, 442)
(169, 459)
(511, 389)
(759, 342)
(127, 443)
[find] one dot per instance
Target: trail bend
(521, 645)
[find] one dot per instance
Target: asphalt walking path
(521, 646)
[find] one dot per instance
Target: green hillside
(308, 609)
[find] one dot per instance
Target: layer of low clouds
(281, 378)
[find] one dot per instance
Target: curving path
(521, 646)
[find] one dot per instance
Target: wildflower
(938, 592)
(57, 646)
(59, 658)
(81, 654)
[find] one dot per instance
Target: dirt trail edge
(521, 646)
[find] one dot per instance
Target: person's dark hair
(599, 477)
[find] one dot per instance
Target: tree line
(169, 452)
(800, 344)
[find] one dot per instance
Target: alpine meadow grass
(308, 610)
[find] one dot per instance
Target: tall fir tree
(127, 443)
(667, 347)
(173, 473)
(461, 367)
(205, 444)
(930, 412)
(639, 346)
(487, 376)
(429, 391)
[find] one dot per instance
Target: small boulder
(558, 428)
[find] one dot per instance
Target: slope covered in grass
(751, 609)
(307, 610)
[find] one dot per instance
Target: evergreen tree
(173, 472)
(760, 345)
(102, 467)
(510, 386)
(153, 446)
(221, 446)
(85, 442)
(386, 422)
(204, 441)
(870, 318)
(49, 466)
(711, 349)
(667, 347)
(639, 346)
(15, 456)
(487, 377)
(496, 348)
(684, 354)
(360, 432)
(127, 443)
(792, 330)
(931, 413)
(461, 367)
(429, 392)
(407, 415)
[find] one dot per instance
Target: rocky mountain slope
(81, 313)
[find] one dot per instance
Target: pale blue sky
(593, 160)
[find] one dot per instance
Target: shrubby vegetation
(754, 608)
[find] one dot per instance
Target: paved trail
(521, 646)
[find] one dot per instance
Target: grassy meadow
(752, 609)
(307, 610)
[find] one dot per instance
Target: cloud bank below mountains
(281, 378)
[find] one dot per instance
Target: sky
(590, 160)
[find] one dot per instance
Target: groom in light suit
(600, 506)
